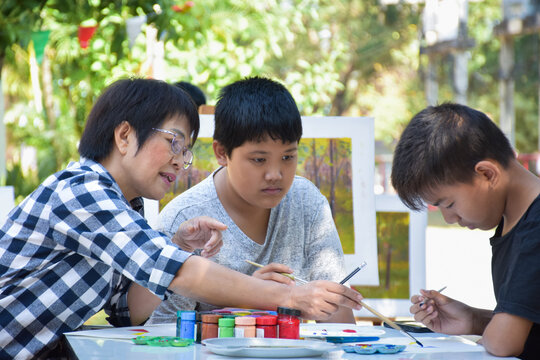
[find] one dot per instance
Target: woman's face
(150, 171)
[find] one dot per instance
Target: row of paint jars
(222, 323)
(285, 325)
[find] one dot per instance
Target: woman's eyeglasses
(177, 147)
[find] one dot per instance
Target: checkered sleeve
(92, 219)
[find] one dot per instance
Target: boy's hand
(442, 314)
(201, 232)
(272, 272)
(320, 299)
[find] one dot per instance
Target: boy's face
(260, 174)
(475, 205)
(152, 170)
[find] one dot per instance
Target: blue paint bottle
(185, 325)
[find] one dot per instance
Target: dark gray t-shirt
(301, 234)
(515, 267)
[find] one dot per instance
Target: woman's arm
(141, 303)
(209, 282)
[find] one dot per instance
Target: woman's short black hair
(441, 146)
(253, 108)
(144, 104)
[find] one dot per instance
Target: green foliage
(23, 184)
(354, 57)
(18, 18)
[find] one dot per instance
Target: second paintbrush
(290, 276)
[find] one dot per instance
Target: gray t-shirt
(301, 234)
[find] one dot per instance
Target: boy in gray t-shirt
(273, 216)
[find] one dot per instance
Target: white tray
(267, 348)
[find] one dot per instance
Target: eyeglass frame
(182, 149)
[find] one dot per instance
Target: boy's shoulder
(303, 188)
(532, 214)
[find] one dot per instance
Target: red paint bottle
(267, 326)
(289, 323)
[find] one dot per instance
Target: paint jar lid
(288, 311)
(245, 320)
(210, 318)
(230, 316)
(267, 320)
(187, 315)
(201, 313)
(226, 322)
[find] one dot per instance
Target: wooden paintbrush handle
(380, 316)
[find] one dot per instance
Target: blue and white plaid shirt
(70, 249)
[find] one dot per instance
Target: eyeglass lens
(177, 146)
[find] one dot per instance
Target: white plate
(267, 348)
(337, 330)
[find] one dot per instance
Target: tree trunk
(316, 179)
(332, 178)
(388, 266)
(48, 91)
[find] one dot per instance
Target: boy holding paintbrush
(457, 159)
(273, 216)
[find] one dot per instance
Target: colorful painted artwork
(393, 256)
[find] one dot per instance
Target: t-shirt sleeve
(520, 291)
(171, 217)
(95, 221)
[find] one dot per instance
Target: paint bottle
(244, 327)
(226, 327)
(187, 324)
(289, 323)
(209, 326)
(267, 326)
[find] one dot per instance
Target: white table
(437, 346)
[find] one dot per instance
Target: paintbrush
(375, 312)
(440, 290)
(388, 321)
(353, 273)
(290, 276)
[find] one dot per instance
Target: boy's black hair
(196, 94)
(144, 104)
(441, 146)
(253, 108)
